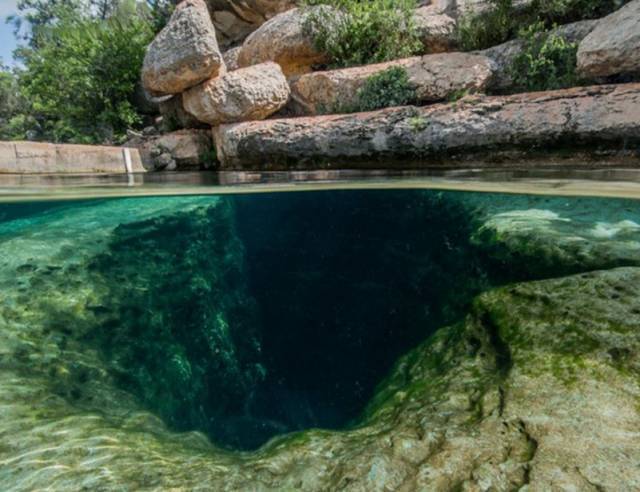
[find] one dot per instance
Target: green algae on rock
(539, 242)
(177, 323)
(536, 388)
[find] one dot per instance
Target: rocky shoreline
(257, 95)
(235, 84)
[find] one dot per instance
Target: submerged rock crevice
(536, 383)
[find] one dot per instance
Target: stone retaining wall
(35, 158)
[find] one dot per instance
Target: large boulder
(613, 47)
(251, 93)
(235, 19)
(437, 31)
(285, 41)
(184, 53)
(515, 126)
(433, 77)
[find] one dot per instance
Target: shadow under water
(261, 315)
(125, 324)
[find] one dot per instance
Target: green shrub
(488, 29)
(368, 31)
(504, 21)
(546, 62)
(388, 88)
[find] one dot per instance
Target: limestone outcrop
(184, 53)
(283, 40)
(437, 32)
(234, 19)
(503, 55)
(433, 78)
(598, 115)
(179, 150)
(612, 47)
(251, 93)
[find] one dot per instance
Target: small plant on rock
(364, 31)
(489, 29)
(546, 62)
(503, 20)
(388, 88)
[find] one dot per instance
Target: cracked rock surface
(603, 116)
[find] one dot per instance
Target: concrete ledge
(37, 158)
(589, 119)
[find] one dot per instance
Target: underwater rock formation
(549, 239)
(538, 387)
(175, 320)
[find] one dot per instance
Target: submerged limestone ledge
(546, 237)
(594, 117)
(537, 387)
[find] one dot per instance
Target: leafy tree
(39, 15)
(81, 78)
(14, 122)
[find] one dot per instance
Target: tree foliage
(80, 68)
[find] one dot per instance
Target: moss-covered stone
(538, 386)
(177, 324)
(546, 237)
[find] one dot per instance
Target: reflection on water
(622, 182)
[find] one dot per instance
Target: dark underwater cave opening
(279, 312)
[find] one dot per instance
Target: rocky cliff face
(602, 116)
(276, 68)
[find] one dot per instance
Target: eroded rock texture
(612, 47)
(184, 53)
(536, 387)
(433, 78)
(591, 116)
(246, 94)
(284, 40)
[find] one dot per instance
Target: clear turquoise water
(245, 317)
